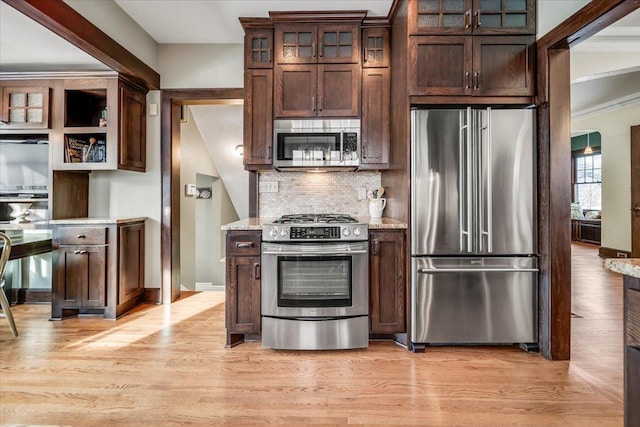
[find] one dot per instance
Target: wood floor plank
(167, 365)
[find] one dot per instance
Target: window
(588, 181)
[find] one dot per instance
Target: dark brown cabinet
(24, 107)
(100, 125)
(375, 133)
(482, 17)
(258, 48)
(242, 291)
(472, 65)
(325, 90)
(132, 153)
(376, 49)
(97, 269)
(387, 281)
(258, 118)
(309, 43)
(632, 351)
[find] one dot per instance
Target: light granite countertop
(257, 223)
(98, 220)
(626, 266)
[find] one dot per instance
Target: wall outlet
(621, 255)
(268, 186)
(362, 193)
(153, 109)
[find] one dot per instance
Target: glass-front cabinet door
(472, 17)
(296, 44)
(24, 107)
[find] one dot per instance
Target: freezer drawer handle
(477, 270)
(294, 253)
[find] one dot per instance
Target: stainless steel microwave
(316, 144)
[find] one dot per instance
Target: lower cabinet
(242, 290)
(632, 351)
(387, 282)
(97, 269)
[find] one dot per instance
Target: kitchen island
(98, 266)
(630, 268)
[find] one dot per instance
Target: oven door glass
(316, 281)
(304, 146)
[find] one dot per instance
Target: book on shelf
(85, 150)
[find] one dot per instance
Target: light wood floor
(167, 365)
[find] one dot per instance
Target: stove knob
(357, 232)
(346, 232)
(273, 232)
(283, 232)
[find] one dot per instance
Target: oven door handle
(301, 253)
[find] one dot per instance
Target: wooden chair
(4, 302)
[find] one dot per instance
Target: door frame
(635, 191)
(170, 155)
(554, 154)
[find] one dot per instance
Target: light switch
(190, 190)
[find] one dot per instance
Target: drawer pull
(256, 271)
(81, 236)
(82, 252)
(244, 245)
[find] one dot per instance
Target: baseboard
(29, 296)
(613, 253)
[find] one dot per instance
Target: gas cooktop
(315, 218)
(332, 227)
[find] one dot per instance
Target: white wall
(115, 22)
(195, 160)
(125, 193)
(616, 172)
(590, 63)
(550, 13)
(201, 65)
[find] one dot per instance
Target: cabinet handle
(244, 245)
(313, 50)
(320, 50)
(364, 54)
(476, 76)
(467, 76)
(320, 103)
(478, 23)
(81, 236)
(256, 271)
(375, 247)
(313, 103)
(467, 19)
(82, 252)
(269, 55)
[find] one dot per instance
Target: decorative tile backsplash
(329, 192)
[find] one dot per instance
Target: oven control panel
(277, 232)
(314, 233)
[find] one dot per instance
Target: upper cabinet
(101, 125)
(482, 17)
(317, 43)
(258, 48)
(24, 107)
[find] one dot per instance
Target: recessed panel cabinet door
(131, 268)
(133, 129)
(440, 65)
(81, 277)
(258, 117)
(243, 295)
(376, 93)
(339, 90)
(295, 90)
(503, 66)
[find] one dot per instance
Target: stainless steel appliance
(315, 287)
(473, 246)
(316, 144)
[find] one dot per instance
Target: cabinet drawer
(243, 243)
(81, 236)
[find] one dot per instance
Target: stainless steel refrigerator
(473, 237)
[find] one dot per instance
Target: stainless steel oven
(315, 288)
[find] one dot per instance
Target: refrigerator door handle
(468, 193)
(485, 182)
(477, 270)
(463, 176)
